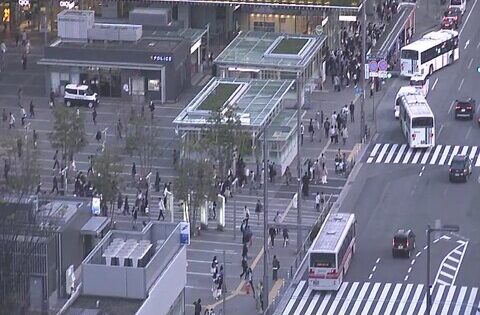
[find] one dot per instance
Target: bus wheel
(430, 71)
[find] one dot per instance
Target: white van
(78, 94)
(421, 82)
(404, 90)
(460, 4)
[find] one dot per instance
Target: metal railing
(297, 261)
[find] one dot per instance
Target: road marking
(382, 153)
(416, 296)
(465, 148)
(374, 152)
(412, 262)
(393, 299)
(434, 84)
(391, 153)
(418, 254)
(445, 237)
(407, 156)
(471, 60)
(400, 153)
(426, 155)
(471, 299)
(449, 266)
(461, 83)
(404, 299)
(359, 299)
(451, 106)
(453, 259)
(346, 302)
(370, 276)
(440, 131)
(416, 156)
(381, 300)
(312, 304)
(435, 154)
(292, 301)
(460, 298)
(444, 155)
(406, 278)
(466, 44)
(370, 299)
(337, 299)
(448, 300)
(438, 298)
(409, 269)
(443, 273)
(478, 45)
(374, 268)
(303, 300)
(468, 17)
(457, 252)
(436, 241)
(324, 303)
(440, 281)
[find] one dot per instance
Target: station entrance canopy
(285, 4)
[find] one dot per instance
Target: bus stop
(397, 34)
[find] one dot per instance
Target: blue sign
(358, 91)
(161, 58)
(373, 66)
(96, 206)
(184, 233)
(382, 65)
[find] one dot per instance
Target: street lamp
(444, 228)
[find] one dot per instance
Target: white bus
(417, 121)
(404, 90)
(331, 252)
(433, 51)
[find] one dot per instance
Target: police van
(80, 95)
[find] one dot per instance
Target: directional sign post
(382, 68)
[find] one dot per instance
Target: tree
(68, 133)
(196, 184)
(106, 177)
(221, 138)
(142, 140)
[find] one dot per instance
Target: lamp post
(265, 217)
(363, 70)
(445, 228)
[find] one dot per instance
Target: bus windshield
(322, 260)
(416, 82)
(409, 54)
(456, 2)
(422, 122)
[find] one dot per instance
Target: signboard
(67, 4)
(184, 233)
(96, 205)
(358, 91)
(161, 58)
(282, 3)
(372, 68)
(23, 3)
(382, 68)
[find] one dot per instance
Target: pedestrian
(275, 267)
(288, 176)
(119, 201)
(52, 98)
(35, 139)
(11, 121)
(214, 210)
(23, 115)
(326, 127)
(250, 280)
(259, 296)
(134, 215)
(345, 135)
(198, 307)
(24, 38)
(285, 236)
(311, 129)
(161, 208)
(152, 108)
(98, 136)
(246, 214)
(94, 116)
(244, 268)
(322, 201)
(302, 131)
(24, 61)
(19, 147)
(32, 110)
(134, 171)
(157, 182)
(126, 206)
(258, 210)
(317, 201)
(317, 120)
(245, 250)
(214, 266)
(332, 134)
(272, 232)
(352, 112)
(55, 184)
(324, 174)
(119, 128)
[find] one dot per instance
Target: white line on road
(468, 16)
(449, 266)
(418, 254)
(378, 260)
(468, 131)
(460, 298)
(416, 156)
(451, 106)
(466, 44)
(444, 155)
(374, 152)
(407, 156)
(409, 270)
(382, 153)
(470, 63)
(478, 45)
(455, 260)
(391, 153)
(370, 276)
(412, 262)
(434, 84)
(415, 298)
(436, 153)
(426, 155)
(400, 153)
(440, 131)
(471, 299)
(461, 83)
(435, 241)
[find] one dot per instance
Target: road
(401, 188)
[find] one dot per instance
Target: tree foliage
(221, 137)
(142, 140)
(68, 133)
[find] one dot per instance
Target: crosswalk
(383, 298)
(438, 155)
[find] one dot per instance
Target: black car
(465, 108)
(452, 18)
(460, 168)
(403, 243)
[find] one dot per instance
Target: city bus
(432, 52)
(404, 90)
(417, 121)
(331, 252)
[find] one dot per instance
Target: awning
(95, 226)
(99, 64)
(392, 31)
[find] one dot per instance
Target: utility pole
(265, 217)
(300, 100)
(363, 70)
(224, 284)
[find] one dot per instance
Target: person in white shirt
(161, 208)
(317, 201)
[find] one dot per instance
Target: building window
(264, 26)
(154, 85)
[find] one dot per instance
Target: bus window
(409, 54)
(419, 122)
(322, 260)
